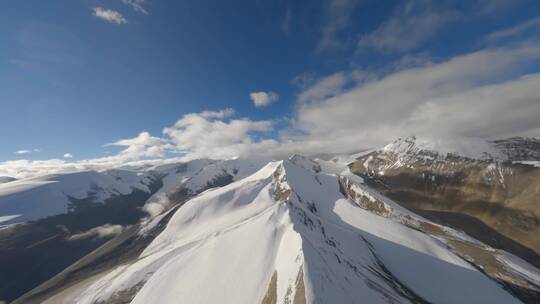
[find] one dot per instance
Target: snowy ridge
(291, 233)
(517, 149)
(464, 147)
(38, 197)
(195, 176)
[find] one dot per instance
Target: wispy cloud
(68, 155)
(207, 135)
(487, 93)
(27, 151)
(325, 87)
(457, 97)
(531, 24)
(286, 23)
(304, 79)
(412, 23)
(218, 114)
(109, 15)
(137, 5)
(263, 99)
(337, 19)
(46, 47)
(409, 26)
(144, 145)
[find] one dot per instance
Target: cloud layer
(463, 96)
(489, 93)
(480, 94)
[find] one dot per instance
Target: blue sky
(77, 75)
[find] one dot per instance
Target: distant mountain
(39, 197)
(63, 217)
(465, 184)
(295, 231)
(515, 149)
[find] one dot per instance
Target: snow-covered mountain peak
(41, 196)
(473, 148)
(305, 162)
(515, 149)
(290, 233)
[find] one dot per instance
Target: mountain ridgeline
(413, 222)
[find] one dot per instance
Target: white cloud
(27, 151)
(464, 96)
(207, 134)
(27, 168)
(137, 5)
(144, 145)
(68, 155)
(531, 24)
(325, 87)
(217, 114)
(263, 99)
(481, 94)
(109, 15)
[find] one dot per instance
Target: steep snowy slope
(183, 180)
(116, 199)
(38, 197)
(291, 233)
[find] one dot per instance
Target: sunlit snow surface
(291, 219)
(38, 197)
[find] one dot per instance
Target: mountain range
(416, 221)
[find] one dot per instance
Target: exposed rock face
(500, 191)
